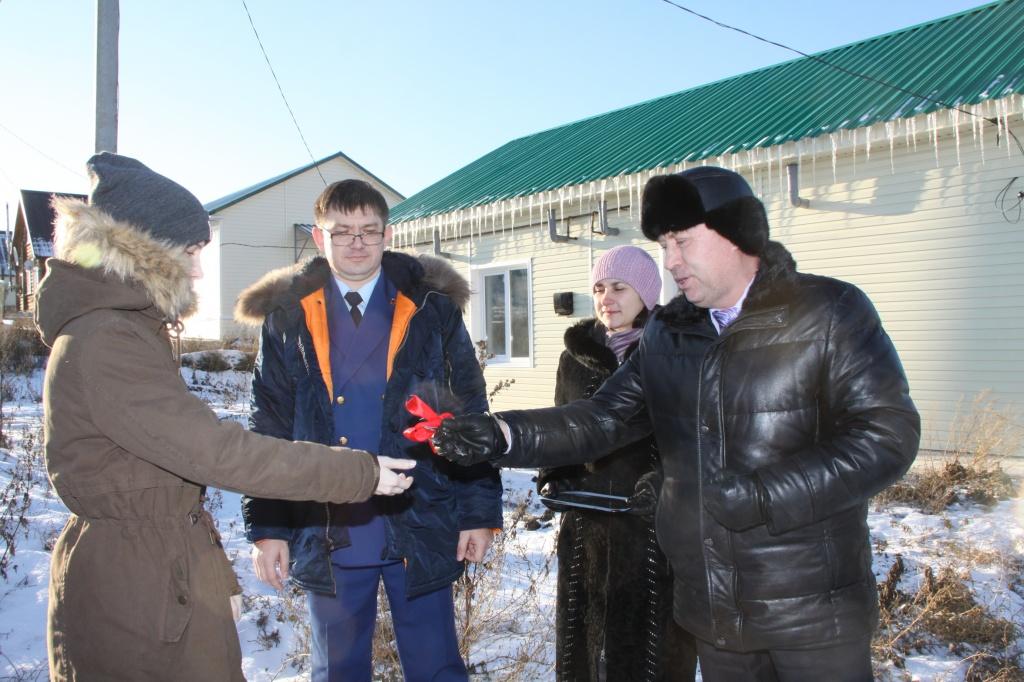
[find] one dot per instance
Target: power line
(39, 151)
(281, 90)
(849, 72)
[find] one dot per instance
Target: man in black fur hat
(780, 408)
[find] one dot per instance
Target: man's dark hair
(350, 195)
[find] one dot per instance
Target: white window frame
(477, 322)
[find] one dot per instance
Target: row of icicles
(764, 166)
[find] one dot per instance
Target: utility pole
(108, 26)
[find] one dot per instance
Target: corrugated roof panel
(959, 60)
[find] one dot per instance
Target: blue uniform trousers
(342, 628)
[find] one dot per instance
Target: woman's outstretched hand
(392, 481)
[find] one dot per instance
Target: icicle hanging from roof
(853, 136)
(890, 132)
(832, 139)
(1004, 104)
(955, 115)
(781, 171)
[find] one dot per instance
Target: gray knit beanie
(635, 267)
(130, 192)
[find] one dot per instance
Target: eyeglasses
(369, 237)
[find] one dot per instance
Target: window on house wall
(502, 314)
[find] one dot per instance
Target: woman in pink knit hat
(614, 606)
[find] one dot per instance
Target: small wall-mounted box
(563, 303)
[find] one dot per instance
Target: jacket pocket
(177, 602)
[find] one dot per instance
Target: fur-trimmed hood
(414, 277)
(584, 341)
(775, 275)
(103, 263)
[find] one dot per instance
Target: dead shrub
(26, 471)
(246, 362)
(287, 612)
(20, 349)
(485, 616)
(942, 613)
(987, 667)
(980, 436)
(950, 612)
(500, 598)
(207, 361)
(482, 356)
(935, 488)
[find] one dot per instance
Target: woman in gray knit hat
(139, 585)
(614, 605)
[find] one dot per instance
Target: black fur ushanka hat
(719, 198)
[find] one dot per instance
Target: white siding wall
(929, 246)
(923, 238)
(265, 220)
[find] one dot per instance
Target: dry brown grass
(942, 613)
(486, 615)
(242, 343)
(970, 467)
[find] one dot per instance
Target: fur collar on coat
(101, 262)
(584, 341)
(413, 276)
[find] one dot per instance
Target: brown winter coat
(139, 585)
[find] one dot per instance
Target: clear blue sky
(410, 89)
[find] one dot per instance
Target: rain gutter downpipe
(794, 187)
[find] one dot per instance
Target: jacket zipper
(700, 475)
(327, 505)
(405, 336)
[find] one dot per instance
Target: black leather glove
(737, 501)
(644, 500)
(470, 439)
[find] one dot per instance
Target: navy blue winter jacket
(432, 357)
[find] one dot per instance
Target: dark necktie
(354, 299)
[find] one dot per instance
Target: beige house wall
(917, 230)
(257, 235)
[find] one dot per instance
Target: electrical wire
(1010, 202)
(856, 74)
(39, 151)
(1004, 200)
(281, 90)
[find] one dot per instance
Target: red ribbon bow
(423, 430)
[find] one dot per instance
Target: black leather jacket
(805, 389)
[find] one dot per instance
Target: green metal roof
(961, 59)
(235, 197)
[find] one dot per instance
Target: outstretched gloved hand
(470, 439)
(737, 501)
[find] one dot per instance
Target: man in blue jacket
(345, 339)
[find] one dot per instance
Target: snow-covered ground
(513, 596)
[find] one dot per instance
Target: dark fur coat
(614, 587)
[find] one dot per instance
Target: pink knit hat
(635, 267)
